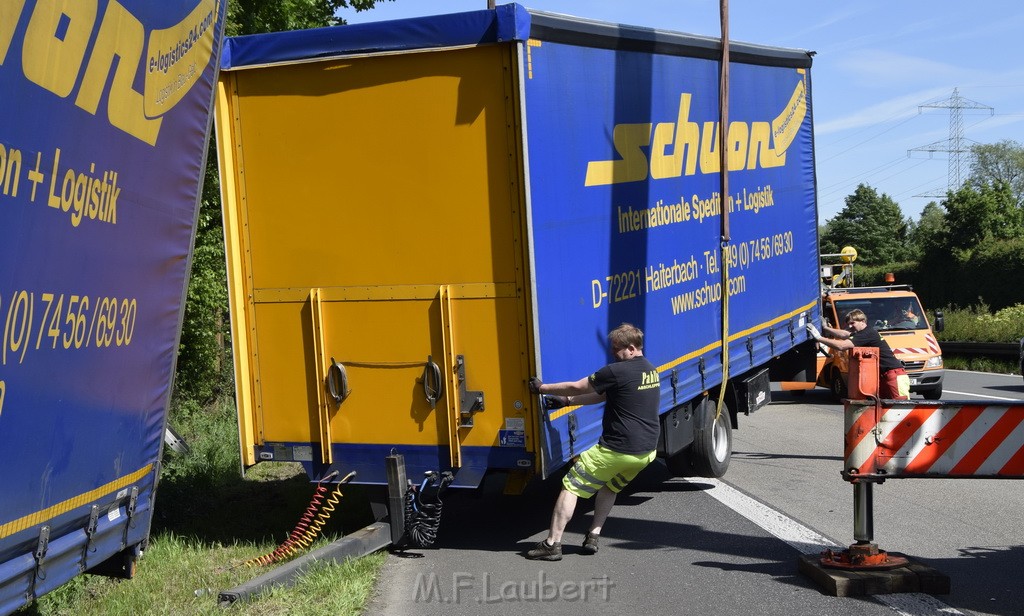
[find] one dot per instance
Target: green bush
(874, 275)
(213, 460)
(979, 324)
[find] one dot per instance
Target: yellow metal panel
(485, 333)
(376, 181)
(384, 347)
(378, 169)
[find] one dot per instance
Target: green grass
(980, 364)
(209, 521)
(181, 575)
(978, 324)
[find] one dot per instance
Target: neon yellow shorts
(903, 385)
(599, 466)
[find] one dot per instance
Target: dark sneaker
(543, 551)
(590, 544)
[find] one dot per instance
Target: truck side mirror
(939, 324)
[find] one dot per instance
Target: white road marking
(1012, 374)
(808, 541)
(965, 393)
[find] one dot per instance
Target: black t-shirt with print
(633, 393)
(869, 337)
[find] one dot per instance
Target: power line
(913, 188)
(857, 145)
(902, 171)
(842, 184)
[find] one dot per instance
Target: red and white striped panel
(931, 349)
(934, 440)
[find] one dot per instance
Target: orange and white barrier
(888, 439)
(891, 439)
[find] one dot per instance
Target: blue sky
(877, 62)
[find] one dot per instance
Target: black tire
(712, 441)
(837, 385)
(932, 394)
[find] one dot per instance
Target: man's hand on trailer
(554, 402)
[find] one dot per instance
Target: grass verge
(209, 521)
(980, 364)
(978, 324)
(182, 575)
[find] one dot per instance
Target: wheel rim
(720, 440)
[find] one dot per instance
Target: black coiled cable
(423, 508)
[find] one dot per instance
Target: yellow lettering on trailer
(677, 147)
(121, 35)
(9, 12)
(56, 47)
(10, 171)
(628, 139)
(55, 43)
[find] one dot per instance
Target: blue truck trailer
(421, 214)
(105, 113)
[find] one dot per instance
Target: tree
(1003, 161)
(929, 230)
(978, 214)
(257, 16)
(872, 224)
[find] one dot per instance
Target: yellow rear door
(374, 220)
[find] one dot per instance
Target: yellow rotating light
(848, 254)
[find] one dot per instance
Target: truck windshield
(885, 313)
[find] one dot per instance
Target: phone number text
(40, 321)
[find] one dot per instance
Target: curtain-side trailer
(105, 112)
(421, 214)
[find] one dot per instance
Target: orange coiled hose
(309, 526)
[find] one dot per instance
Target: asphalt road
(728, 547)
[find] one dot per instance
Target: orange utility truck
(895, 311)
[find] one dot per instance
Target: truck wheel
(712, 441)
(932, 394)
(837, 385)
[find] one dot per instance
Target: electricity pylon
(956, 145)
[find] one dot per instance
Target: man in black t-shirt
(630, 428)
(894, 384)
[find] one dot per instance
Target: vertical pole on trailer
(723, 120)
(723, 174)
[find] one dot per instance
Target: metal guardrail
(990, 349)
